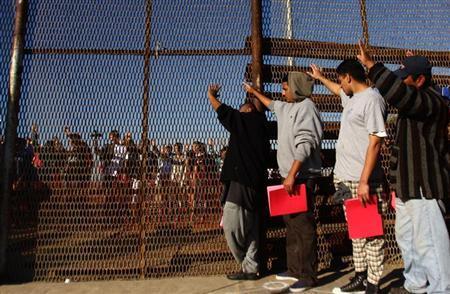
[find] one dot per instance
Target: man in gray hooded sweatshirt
(299, 137)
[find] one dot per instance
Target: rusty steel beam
(441, 80)
(257, 50)
(324, 102)
(331, 130)
(272, 46)
(12, 121)
(256, 44)
(155, 53)
(364, 24)
(337, 51)
(274, 74)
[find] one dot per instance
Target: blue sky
(105, 92)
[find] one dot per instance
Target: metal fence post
(257, 48)
(144, 138)
(12, 121)
(365, 26)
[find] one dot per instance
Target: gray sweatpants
(241, 228)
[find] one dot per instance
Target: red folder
(281, 203)
(363, 222)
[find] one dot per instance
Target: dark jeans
(301, 240)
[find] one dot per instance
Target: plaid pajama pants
(368, 254)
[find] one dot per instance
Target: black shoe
(372, 289)
(357, 285)
(300, 286)
(243, 276)
(253, 276)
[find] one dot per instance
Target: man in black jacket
(420, 169)
(244, 174)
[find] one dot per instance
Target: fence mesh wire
(95, 196)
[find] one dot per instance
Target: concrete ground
(210, 284)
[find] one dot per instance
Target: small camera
(342, 193)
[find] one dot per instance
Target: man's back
(423, 149)
(420, 163)
(248, 150)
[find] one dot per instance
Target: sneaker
(299, 286)
(286, 276)
(243, 276)
(357, 285)
(372, 289)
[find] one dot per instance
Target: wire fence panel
(119, 153)
(6, 23)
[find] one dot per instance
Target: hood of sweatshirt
(301, 85)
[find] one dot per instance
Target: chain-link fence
(119, 152)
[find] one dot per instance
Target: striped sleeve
(408, 100)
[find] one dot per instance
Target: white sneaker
(338, 290)
(285, 277)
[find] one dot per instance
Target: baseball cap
(414, 65)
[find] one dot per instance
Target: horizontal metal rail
(337, 51)
(275, 73)
(155, 53)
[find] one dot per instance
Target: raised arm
(213, 93)
(317, 74)
(364, 56)
(252, 91)
(259, 106)
(409, 100)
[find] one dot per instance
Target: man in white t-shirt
(357, 162)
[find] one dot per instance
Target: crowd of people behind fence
(181, 176)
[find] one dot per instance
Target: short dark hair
(115, 133)
(285, 78)
(353, 68)
(179, 145)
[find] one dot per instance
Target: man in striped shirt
(419, 171)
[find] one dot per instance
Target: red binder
(363, 222)
(281, 203)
